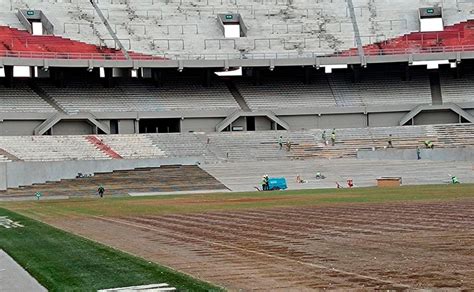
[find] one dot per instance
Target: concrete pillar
(157, 75)
(207, 77)
(257, 76)
(355, 73)
(308, 74)
(406, 75)
(8, 82)
(137, 126)
(458, 71)
(108, 80)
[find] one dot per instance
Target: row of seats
(235, 146)
(132, 96)
(458, 90)
(22, 99)
(277, 92)
(337, 89)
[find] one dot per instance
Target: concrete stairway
(106, 149)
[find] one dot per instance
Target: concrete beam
(428, 107)
(240, 113)
(56, 118)
(220, 61)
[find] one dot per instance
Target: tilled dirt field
(346, 246)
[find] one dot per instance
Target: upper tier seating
(457, 37)
(188, 29)
(20, 43)
(22, 99)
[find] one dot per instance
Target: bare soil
(346, 246)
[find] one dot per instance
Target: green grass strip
(61, 261)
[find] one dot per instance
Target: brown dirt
(352, 246)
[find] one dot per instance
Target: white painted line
(136, 194)
(144, 288)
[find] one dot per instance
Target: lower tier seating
(214, 147)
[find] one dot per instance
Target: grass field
(156, 205)
(61, 261)
(197, 235)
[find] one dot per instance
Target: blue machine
(277, 183)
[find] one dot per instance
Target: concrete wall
(200, 124)
(301, 122)
(23, 173)
(436, 117)
(18, 128)
(385, 119)
(240, 122)
(262, 124)
(442, 154)
(126, 126)
(67, 127)
(342, 121)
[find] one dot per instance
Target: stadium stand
(457, 90)
(378, 87)
(133, 146)
(22, 99)
(457, 37)
(188, 29)
(85, 83)
(44, 148)
(235, 146)
(138, 96)
(143, 180)
(284, 92)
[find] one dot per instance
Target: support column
(137, 126)
(8, 76)
(157, 75)
(108, 80)
(406, 75)
(57, 76)
(355, 73)
(308, 74)
(458, 71)
(207, 78)
(257, 76)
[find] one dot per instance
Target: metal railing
(276, 55)
(168, 42)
